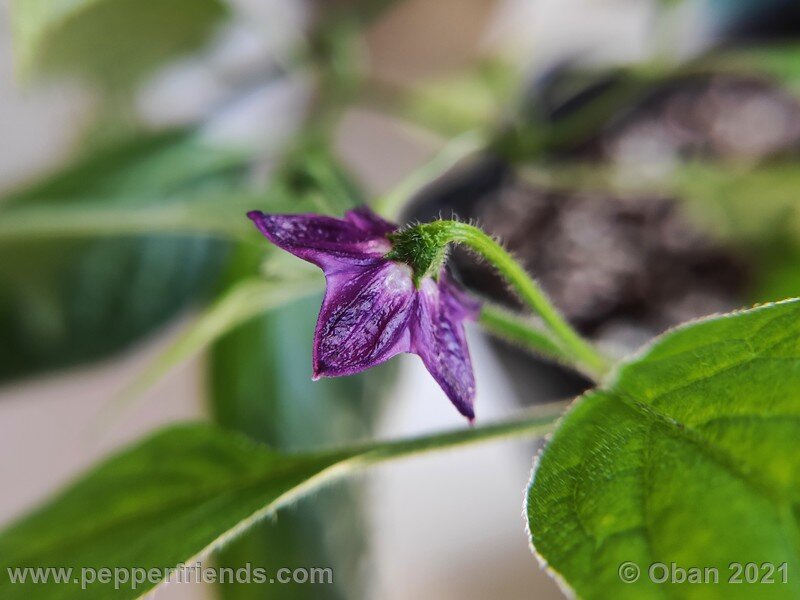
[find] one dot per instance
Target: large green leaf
(261, 385)
(114, 41)
(690, 455)
(181, 494)
(67, 296)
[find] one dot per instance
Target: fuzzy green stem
(422, 247)
(534, 422)
(520, 330)
(530, 292)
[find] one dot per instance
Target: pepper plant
(683, 452)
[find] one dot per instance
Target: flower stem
(535, 422)
(451, 154)
(577, 348)
(521, 330)
(423, 248)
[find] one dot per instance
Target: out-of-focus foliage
(64, 301)
(261, 385)
(183, 493)
(778, 61)
(161, 503)
(471, 100)
(687, 457)
(757, 210)
(113, 42)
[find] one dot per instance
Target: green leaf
(183, 493)
(780, 61)
(113, 41)
(755, 209)
(245, 300)
(469, 100)
(261, 386)
(688, 456)
(67, 298)
(523, 330)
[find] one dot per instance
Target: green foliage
(104, 38)
(261, 385)
(68, 297)
(173, 497)
(471, 100)
(183, 493)
(755, 209)
(779, 61)
(247, 299)
(689, 455)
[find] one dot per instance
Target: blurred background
(638, 155)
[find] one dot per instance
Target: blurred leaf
(164, 162)
(468, 101)
(744, 201)
(755, 208)
(64, 301)
(261, 385)
(779, 61)
(183, 493)
(221, 217)
(247, 299)
(689, 456)
(112, 41)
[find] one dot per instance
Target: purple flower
(372, 309)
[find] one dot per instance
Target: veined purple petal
(438, 338)
(364, 319)
(366, 220)
(372, 310)
(332, 244)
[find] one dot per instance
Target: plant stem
(451, 154)
(578, 349)
(423, 248)
(534, 422)
(521, 330)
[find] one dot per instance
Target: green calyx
(422, 247)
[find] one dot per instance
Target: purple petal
(366, 220)
(463, 306)
(332, 244)
(364, 319)
(439, 339)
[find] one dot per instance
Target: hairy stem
(535, 422)
(423, 248)
(521, 330)
(530, 292)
